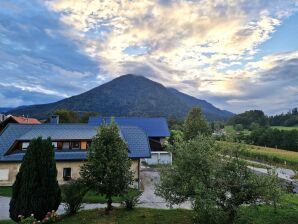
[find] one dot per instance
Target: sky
(236, 54)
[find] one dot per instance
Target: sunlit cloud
(209, 49)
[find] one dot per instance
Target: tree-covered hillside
(128, 95)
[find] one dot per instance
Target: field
(286, 128)
(287, 213)
(271, 156)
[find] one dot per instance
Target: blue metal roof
(153, 127)
(136, 139)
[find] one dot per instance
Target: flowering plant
(51, 217)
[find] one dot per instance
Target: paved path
(4, 207)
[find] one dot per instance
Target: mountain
(128, 95)
(5, 109)
(210, 111)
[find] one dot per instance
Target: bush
(131, 198)
(51, 217)
(73, 194)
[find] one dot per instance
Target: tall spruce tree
(107, 169)
(195, 124)
(36, 190)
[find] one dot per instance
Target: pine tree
(107, 169)
(195, 124)
(36, 190)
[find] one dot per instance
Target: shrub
(51, 217)
(73, 194)
(28, 220)
(36, 190)
(131, 198)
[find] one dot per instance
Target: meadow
(285, 128)
(270, 156)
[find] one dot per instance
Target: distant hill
(128, 95)
(5, 109)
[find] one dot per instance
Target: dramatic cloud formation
(209, 49)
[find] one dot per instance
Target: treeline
(288, 119)
(69, 116)
(250, 118)
(258, 117)
(275, 138)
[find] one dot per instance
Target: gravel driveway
(150, 178)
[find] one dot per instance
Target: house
(71, 143)
(155, 128)
(17, 120)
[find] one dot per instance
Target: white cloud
(187, 44)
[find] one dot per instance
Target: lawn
(5, 191)
(90, 197)
(286, 128)
(287, 213)
(271, 156)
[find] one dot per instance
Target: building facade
(71, 143)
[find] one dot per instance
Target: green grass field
(271, 156)
(286, 128)
(287, 213)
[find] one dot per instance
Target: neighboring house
(71, 142)
(18, 120)
(155, 128)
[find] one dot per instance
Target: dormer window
(25, 145)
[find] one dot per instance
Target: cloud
(37, 62)
(209, 49)
(192, 45)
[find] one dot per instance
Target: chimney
(54, 119)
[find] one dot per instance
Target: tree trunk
(109, 204)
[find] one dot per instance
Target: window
(54, 145)
(66, 174)
(25, 145)
(59, 145)
(75, 145)
(65, 145)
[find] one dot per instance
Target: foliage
(238, 127)
(73, 194)
(36, 190)
(51, 217)
(131, 198)
(289, 119)
(215, 179)
(69, 116)
(275, 138)
(107, 169)
(195, 124)
(85, 116)
(28, 220)
(249, 117)
(175, 138)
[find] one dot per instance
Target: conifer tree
(36, 190)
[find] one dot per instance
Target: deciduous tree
(107, 169)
